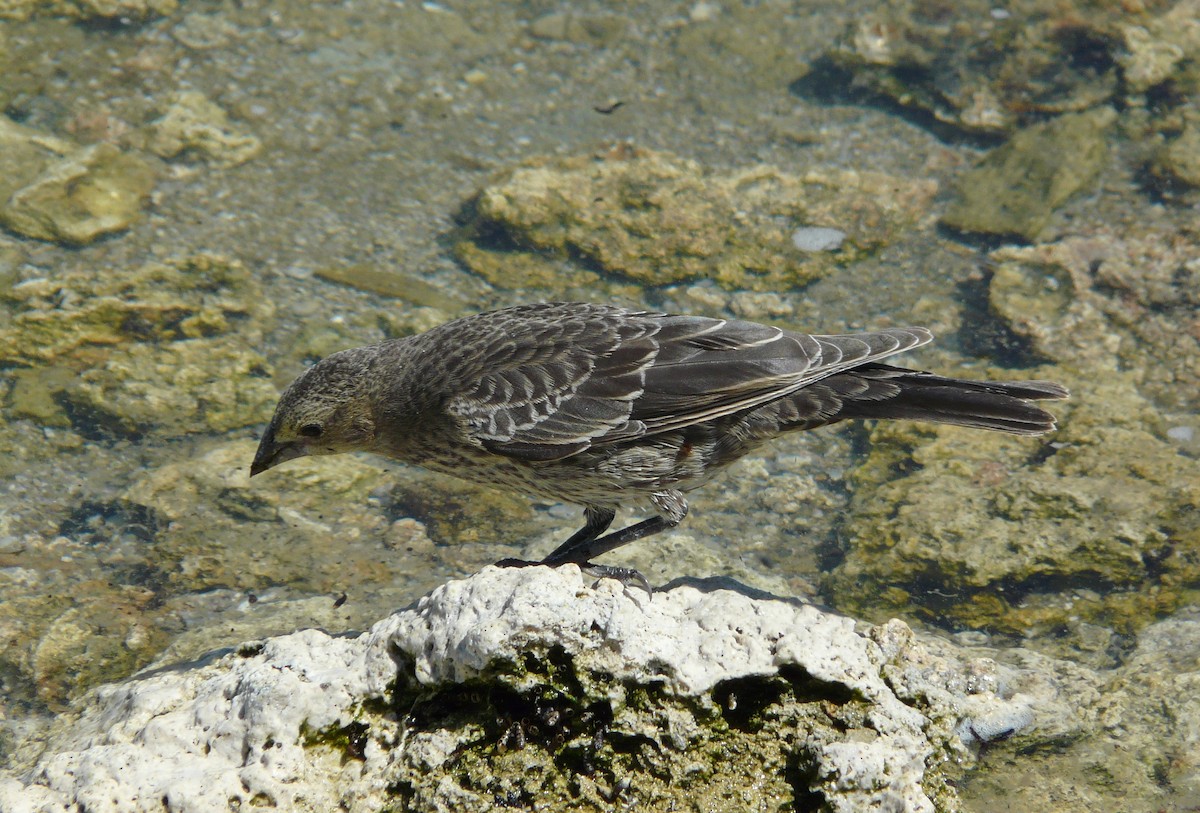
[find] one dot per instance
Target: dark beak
(270, 454)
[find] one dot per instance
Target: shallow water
(128, 532)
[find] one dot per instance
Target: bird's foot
(516, 563)
(625, 575)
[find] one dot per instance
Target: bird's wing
(728, 366)
(544, 384)
(549, 387)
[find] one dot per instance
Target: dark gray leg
(584, 550)
(595, 522)
(587, 543)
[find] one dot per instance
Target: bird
(604, 406)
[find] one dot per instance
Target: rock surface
(1016, 188)
(475, 694)
(192, 125)
(655, 218)
(52, 189)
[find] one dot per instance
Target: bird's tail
(894, 392)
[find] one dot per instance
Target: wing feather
(546, 381)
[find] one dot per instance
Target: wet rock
(984, 71)
(1147, 708)
(64, 635)
(1110, 298)
(202, 32)
(1178, 162)
(87, 9)
(195, 127)
(200, 296)
(393, 282)
(1015, 189)
(55, 190)
(656, 219)
(1154, 50)
(455, 511)
(976, 530)
(34, 394)
(95, 641)
(175, 389)
(588, 29)
(211, 495)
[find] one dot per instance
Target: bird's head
(326, 410)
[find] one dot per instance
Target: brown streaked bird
(602, 406)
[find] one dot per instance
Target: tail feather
(893, 392)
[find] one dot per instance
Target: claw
(625, 575)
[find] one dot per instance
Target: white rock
(817, 238)
(230, 731)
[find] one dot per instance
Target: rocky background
(199, 198)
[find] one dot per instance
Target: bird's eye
(311, 430)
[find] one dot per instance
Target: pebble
(817, 238)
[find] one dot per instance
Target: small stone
(817, 238)
(194, 125)
(1182, 434)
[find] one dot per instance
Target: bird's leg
(580, 549)
(596, 522)
(583, 551)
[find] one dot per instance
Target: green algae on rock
(87, 9)
(656, 219)
(199, 296)
(1016, 188)
(1020, 536)
(176, 388)
(52, 189)
(1109, 299)
(194, 126)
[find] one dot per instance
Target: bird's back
(542, 382)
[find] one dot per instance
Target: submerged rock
(1109, 299)
(1178, 161)
(1095, 523)
(656, 219)
(982, 68)
(87, 9)
(171, 389)
(191, 298)
(194, 126)
(1016, 188)
(52, 189)
(987, 69)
